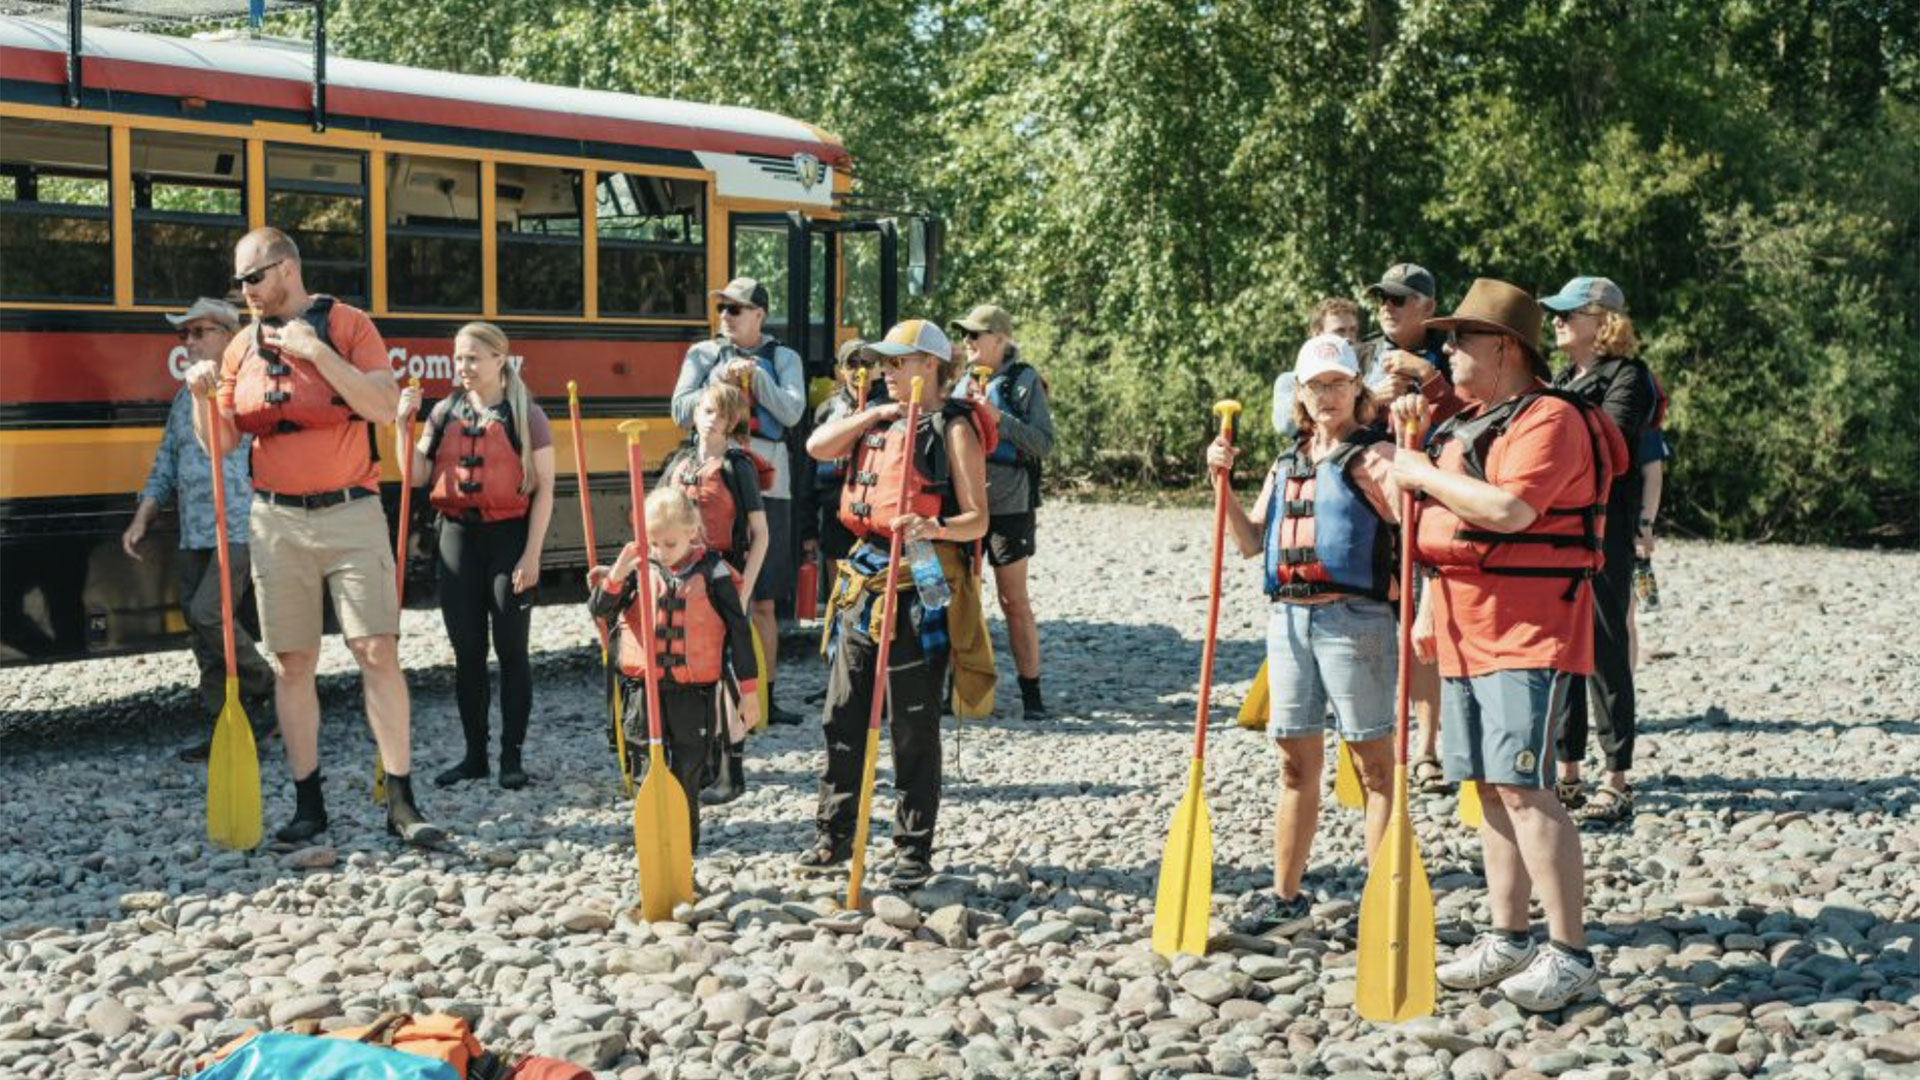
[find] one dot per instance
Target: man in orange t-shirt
(1509, 612)
(316, 520)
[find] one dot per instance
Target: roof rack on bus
(175, 16)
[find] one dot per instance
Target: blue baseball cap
(1586, 292)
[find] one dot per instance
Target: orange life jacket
(690, 636)
(705, 482)
(1563, 542)
(881, 460)
(477, 470)
(274, 392)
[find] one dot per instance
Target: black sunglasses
(731, 309)
(1394, 301)
(971, 335)
(255, 276)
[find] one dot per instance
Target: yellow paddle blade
(1258, 703)
(765, 692)
(233, 778)
(379, 778)
(662, 840)
(619, 724)
(1346, 780)
(856, 875)
(1185, 897)
(1395, 978)
(1470, 813)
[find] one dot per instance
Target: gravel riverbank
(1761, 916)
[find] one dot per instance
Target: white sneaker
(1490, 959)
(1551, 981)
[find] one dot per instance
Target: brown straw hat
(1500, 308)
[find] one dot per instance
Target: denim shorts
(1341, 652)
(1499, 727)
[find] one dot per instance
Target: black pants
(915, 691)
(199, 583)
(688, 732)
(476, 592)
(1610, 700)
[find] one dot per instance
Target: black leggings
(476, 588)
(915, 683)
(1609, 698)
(687, 736)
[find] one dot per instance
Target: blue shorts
(1343, 652)
(1499, 727)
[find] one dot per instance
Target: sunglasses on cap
(256, 275)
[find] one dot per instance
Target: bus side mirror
(926, 236)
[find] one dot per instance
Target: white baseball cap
(1325, 353)
(912, 336)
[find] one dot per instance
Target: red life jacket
(706, 483)
(477, 470)
(880, 461)
(274, 392)
(690, 636)
(1563, 542)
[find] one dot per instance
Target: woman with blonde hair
(486, 455)
(1590, 325)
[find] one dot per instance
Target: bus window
(542, 261)
(319, 197)
(653, 237)
(760, 252)
(189, 209)
(56, 227)
(433, 234)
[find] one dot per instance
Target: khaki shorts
(299, 553)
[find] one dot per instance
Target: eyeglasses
(731, 309)
(1322, 389)
(972, 335)
(1569, 316)
(1389, 300)
(255, 276)
(1459, 337)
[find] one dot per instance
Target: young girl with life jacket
(486, 457)
(702, 648)
(724, 479)
(1324, 526)
(943, 463)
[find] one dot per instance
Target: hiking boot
(1491, 958)
(512, 776)
(782, 716)
(309, 812)
(404, 819)
(824, 858)
(730, 781)
(911, 869)
(1268, 912)
(471, 767)
(1032, 707)
(1554, 979)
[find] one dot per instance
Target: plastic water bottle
(1645, 585)
(928, 578)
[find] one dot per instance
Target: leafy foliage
(1161, 190)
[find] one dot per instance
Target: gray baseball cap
(742, 290)
(207, 308)
(1403, 280)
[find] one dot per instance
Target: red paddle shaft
(406, 505)
(636, 467)
(1223, 490)
(220, 528)
(1403, 685)
(882, 682)
(586, 497)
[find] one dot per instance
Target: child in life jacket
(703, 645)
(724, 480)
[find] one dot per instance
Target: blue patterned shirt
(183, 474)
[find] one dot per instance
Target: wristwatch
(1646, 524)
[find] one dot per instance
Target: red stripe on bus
(130, 76)
(47, 367)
